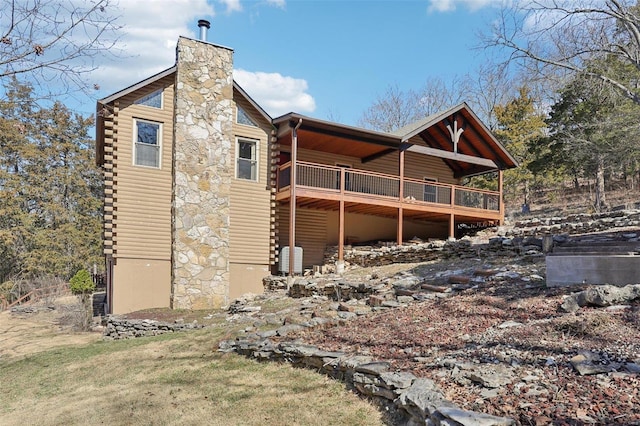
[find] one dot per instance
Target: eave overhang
(477, 151)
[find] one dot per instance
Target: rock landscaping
(419, 400)
(486, 331)
(524, 238)
(117, 328)
(464, 332)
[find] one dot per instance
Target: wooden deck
(324, 187)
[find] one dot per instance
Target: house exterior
(198, 184)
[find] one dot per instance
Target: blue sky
(325, 58)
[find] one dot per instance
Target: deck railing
(329, 178)
(430, 192)
(478, 199)
(370, 183)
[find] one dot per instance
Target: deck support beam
(500, 200)
(452, 226)
(340, 264)
(292, 201)
(400, 225)
(401, 194)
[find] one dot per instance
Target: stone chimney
(202, 175)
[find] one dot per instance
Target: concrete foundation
(576, 269)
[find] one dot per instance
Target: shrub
(82, 283)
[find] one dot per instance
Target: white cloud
(451, 5)
(276, 93)
(149, 35)
(277, 3)
(150, 32)
(232, 5)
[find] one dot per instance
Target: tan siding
(250, 202)
(142, 195)
(311, 233)
(141, 284)
(416, 166)
(247, 278)
(360, 228)
(419, 166)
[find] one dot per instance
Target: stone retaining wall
(423, 252)
(417, 400)
(121, 328)
(524, 238)
(576, 223)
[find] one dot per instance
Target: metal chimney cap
(204, 23)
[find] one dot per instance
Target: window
(430, 191)
(152, 99)
(247, 159)
(243, 118)
(147, 143)
(347, 177)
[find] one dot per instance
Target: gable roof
(476, 140)
(139, 85)
(136, 86)
(478, 151)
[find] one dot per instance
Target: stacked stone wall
(203, 169)
(418, 401)
(524, 238)
(117, 328)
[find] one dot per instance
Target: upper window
(243, 118)
(147, 143)
(247, 159)
(152, 99)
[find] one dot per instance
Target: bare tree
(53, 43)
(397, 108)
(552, 36)
(488, 86)
(391, 111)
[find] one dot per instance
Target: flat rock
(406, 283)
(510, 324)
(405, 299)
(632, 367)
(490, 376)
(569, 305)
(397, 380)
(586, 364)
(391, 304)
(375, 368)
(289, 328)
(607, 295)
(422, 398)
(445, 415)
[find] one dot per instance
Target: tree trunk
(88, 311)
(601, 201)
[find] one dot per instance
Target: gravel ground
(502, 347)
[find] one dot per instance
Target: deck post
(452, 227)
(340, 262)
(500, 200)
(292, 201)
(400, 224)
(401, 195)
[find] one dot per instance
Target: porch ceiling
(339, 139)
